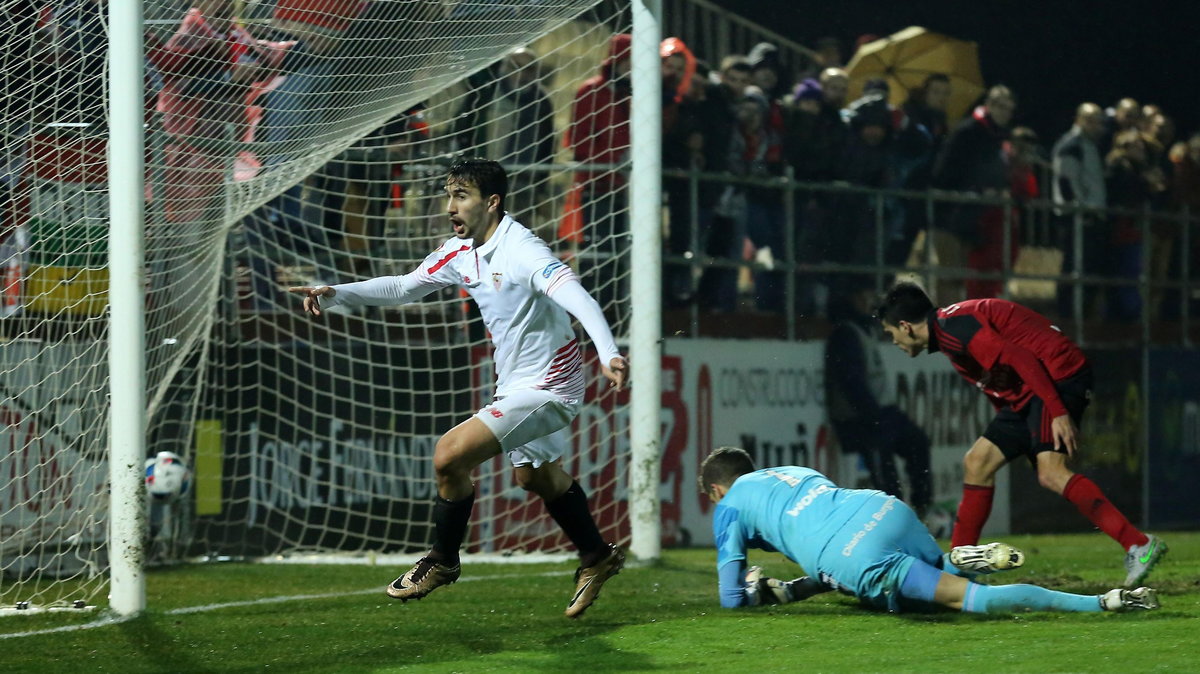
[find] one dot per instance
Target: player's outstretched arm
(384, 291)
(569, 294)
(312, 295)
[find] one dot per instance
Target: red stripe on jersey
(565, 353)
(948, 343)
(442, 262)
(1047, 434)
(564, 378)
(565, 365)
(565, 373)
(571, 344)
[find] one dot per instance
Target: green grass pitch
(508, 618)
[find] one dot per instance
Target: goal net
(291, 143)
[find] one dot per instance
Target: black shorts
(1026, 432)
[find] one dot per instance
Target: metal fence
(713, 32)
(1161, 288)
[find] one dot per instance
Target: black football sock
(571, 512)
(450, 527)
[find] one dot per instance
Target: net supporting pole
(126, 328)
(645, 212)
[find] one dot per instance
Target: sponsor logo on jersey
(887, 507)
(809, 498)
(495, 412)
(550, 268)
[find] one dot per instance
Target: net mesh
(290, 143)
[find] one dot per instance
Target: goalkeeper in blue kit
(861, 542)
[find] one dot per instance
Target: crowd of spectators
(752, 117)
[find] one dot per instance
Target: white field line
(106, 621)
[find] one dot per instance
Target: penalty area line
(106, 621)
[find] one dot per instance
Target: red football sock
(1100, 511)
(973, 511)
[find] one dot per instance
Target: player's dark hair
(487, 175)
(906, 301)
(723, 466)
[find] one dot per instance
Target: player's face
(903, 337)
(468, 210)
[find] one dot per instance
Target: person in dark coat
(972, 161)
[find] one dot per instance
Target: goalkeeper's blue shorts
(872, 553)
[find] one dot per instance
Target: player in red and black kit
(1039, 382)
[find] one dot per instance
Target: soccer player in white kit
(524, 294)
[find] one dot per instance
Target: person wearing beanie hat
(808, 96)
(876, 85)
(769, 72)
(872, 109)
(756, 150)
(867, 160)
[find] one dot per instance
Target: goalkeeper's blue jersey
(787, 509)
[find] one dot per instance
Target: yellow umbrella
(906, 58)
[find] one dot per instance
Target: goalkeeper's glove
(764, 590)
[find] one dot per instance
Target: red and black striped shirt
(1009, 352)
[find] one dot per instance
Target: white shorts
(533, 426)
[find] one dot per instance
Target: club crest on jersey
(550, 268)
(497, 279)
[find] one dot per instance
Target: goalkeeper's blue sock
(1012, 598)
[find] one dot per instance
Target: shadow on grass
(154, 647)
(445, 639)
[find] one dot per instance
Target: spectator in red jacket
(599, 134)
(207, 68)
(1024, 161)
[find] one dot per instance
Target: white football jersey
(509, 277)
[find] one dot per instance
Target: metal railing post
(723, 43)
(1185, 290)
(879, 239)
(930, 274)
(789, 243)
(1076, 276)
(1006, 247)
(697, 254)
(1144, 281)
